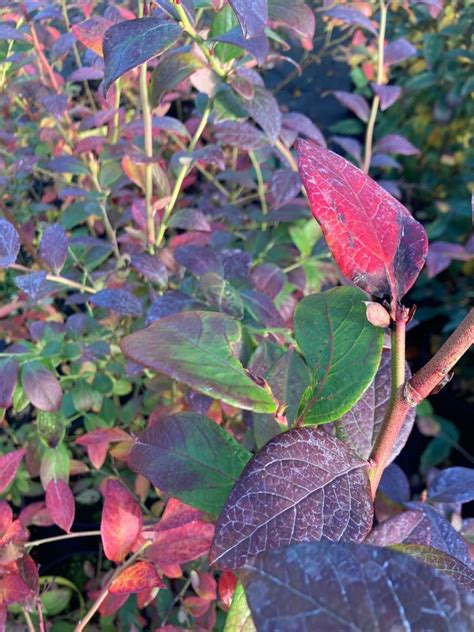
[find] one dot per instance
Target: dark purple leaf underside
(374, 239)
(302, 486)
(360, 427)
(420, 525)
(252, 15)
(351, 587)
(351, 16)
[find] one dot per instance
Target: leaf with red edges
(140, 576)
(374, 239)
(121, 521)
(60, 504)
(9, 464)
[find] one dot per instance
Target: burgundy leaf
(351, 16)
(190, 219)
(199, 259)
(397, 51)
(304, 485)
(264, 109)
(53, 248)
(9, 464)
(360, 427)
(268, 278)
(118, 300)
(396, 144)
(387, 94)
(374, 239)
(420, 525)
(347, 586)
(60, 504)
(41, 387)
(8, 377)
(252, 15)
(151, 267)
(454, 485)
(284, 187)
(354, 102)
(210, 155)
(9, 243)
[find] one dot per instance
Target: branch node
(411, 396)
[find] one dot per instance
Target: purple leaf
(384, 161)
(242, 135)
(9, 243)
(387, 94)
(397, 51)
(284, 187)
(394, 484)
(351, 146)
(258, 46)
(55, 104)
(118, 300)
(210, 155)
(434, 6)
(8, 377)
(262, 308)
(152, 268)
(33, 284)
(351, 17)
(173, 69)
(304, 485)
(190, 219)
(296, 16)
(446, 564)
(41, 387)
(396, 144)
(220, 293)
(420, 525)
(454, 485)
(440, 255)
(236, 264)
(301, 124)
(268, 278)
(334, 587)
(87, 73)
(8, 32)
(199, 260)
(169, 304)
(359, 427)
(392, 187)
(252, 15)
(53, 248)
(264, 109)
(354, 102)
(132, 42)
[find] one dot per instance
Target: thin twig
(57, 538)
(57, 279)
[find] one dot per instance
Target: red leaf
(97, 443)
(60, 504)
(181, 536)
(140, 576)
(227, 584)
(374, 239)
(111, 604)
(196, 606)
(121, 521)
(9, 464)
(91, 33)
(13, 589)
(204, 585)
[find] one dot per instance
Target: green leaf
(170, 72)
(341, 347)
(305, 235)
(224, 20)
(239, 617)
(56, 600)
(219, 292)
(55, 465)
(197, 348)
(190, 457)
(130, 43)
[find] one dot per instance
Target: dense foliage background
(164, 181)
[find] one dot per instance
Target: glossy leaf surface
(304, 485)
(374, 239)
(348, 586)
(130, 43)
(190, 457)
(342, 349)
(197, 348)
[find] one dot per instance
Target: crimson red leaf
(41, 387)
(374, 239)
(347, 586)
(60, 503)
(9, 464)
(121, 521)
(140, 576)
(304, 485)
(8, 376)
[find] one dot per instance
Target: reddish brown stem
(411, 393)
